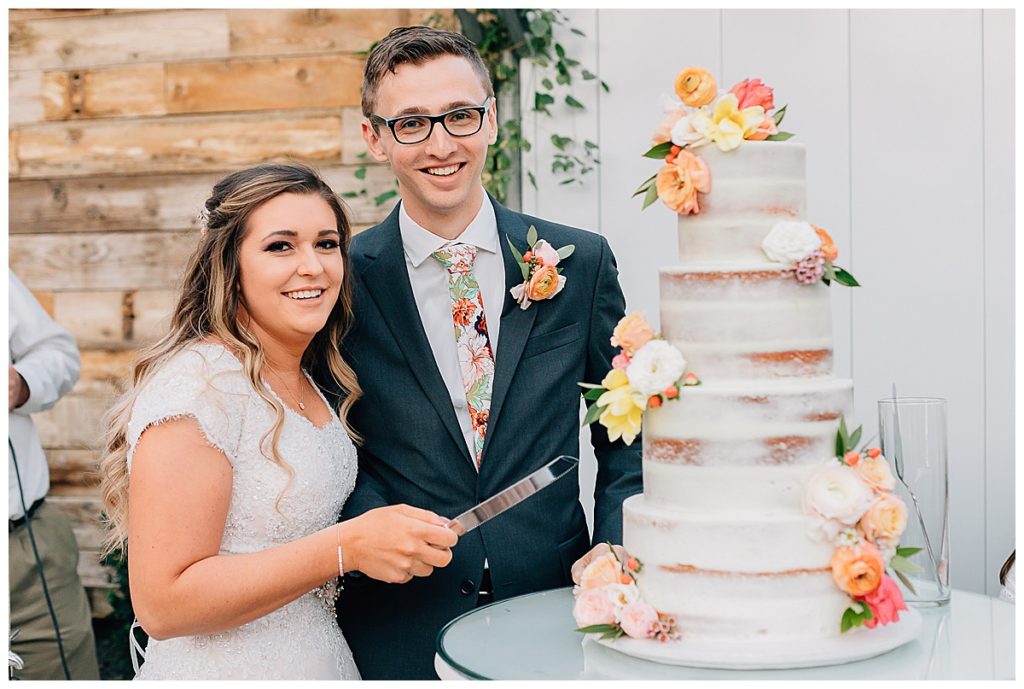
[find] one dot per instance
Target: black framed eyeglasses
(414, 129)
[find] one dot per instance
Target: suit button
(467, 587)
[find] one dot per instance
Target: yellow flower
(696, 86)
(727, 125)
(624, 408)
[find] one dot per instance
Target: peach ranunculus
(679, 182)
(753, 92)
(663, 132)
(858, 570)
(885, 602)
(600, 572)
(828, 247)
(696, 86)
(876, 473)
(763, 130)
(545, 283)
(546, 253)
(593, 607)
(885, 521)
(631, 333)
(638, 620)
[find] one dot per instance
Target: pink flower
(639, 620)
(764, 130)
(885, 603)
(620, 361)
(631, 333)
(593, 607)
(752, 92)
(546, 253)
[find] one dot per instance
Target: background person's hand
(596, 551)
(17, 390)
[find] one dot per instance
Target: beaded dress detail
(300, 640)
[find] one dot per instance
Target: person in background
(43, 367)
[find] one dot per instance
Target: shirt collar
(419, 243)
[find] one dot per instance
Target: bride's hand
(399, 542)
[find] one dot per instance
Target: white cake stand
(854, 645)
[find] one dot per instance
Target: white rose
(791, 241)
(621, 595)
(837, 493)
(683, 133)
(654, 367)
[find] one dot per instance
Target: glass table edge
(455, 665)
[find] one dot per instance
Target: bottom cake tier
(743, 578)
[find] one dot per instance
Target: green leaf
(523, 266)
(647, 184)
(652, 196)
(843, 277)
(560, 142)
(533, 180)
(854, 618)
(659, 151)
(830, 273)
(559, 50)
(563, 78)
(590, 386)
(593, 414)
(577, 31)
(614, 634)
(840, 448)
(541, 101)
(596, 628)
(902, 564)
(360, 172)
(378, 200)
(547, 84)
(566, 251)
(531, 236)
(567, 181)
(593, 395)
(855, 438)
(590, 145)
(604, 85)
(844, 433)
(363, 156)
(906, 582)
(780, 114)
(907, 552)
(539, 26)
(588, 75)
(573, 103)
(781, 136)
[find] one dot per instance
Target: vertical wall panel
(918, 235)
(999, 285)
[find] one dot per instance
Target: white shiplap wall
(908, 121)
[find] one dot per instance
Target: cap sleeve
(202, 382)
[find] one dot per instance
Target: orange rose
(545, 283)
(678, 183)
(876, 473)
(885, 520)
(600, 572)
(828, 247)
(632, 333)
(696, 87)
(858, 570)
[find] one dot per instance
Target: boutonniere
(542, 278)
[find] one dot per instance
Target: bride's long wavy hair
(207, 309)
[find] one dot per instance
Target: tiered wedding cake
(764, 534)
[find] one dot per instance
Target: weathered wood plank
(91, 41)
(121, 92)
(24, 14)
(171, 144)
(97, 261)
(290, 32)
(84, 515)
(91, 572)
(45, 300)
(321, 81)
(13, 167)
(113, 321)
(24, 97)
(74, 423)
(73, 467)
(157, 202)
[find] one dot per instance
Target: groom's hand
(597, 550)
(399, 542)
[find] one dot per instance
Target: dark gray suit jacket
(413, 450)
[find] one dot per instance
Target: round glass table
(533, 637)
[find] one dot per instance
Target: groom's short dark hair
(416, 45)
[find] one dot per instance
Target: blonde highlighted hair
(207, 310)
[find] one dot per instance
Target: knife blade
(513, 495)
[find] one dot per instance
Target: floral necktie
(475, 356)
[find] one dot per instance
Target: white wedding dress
(300, 640)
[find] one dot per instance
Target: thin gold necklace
(302, 406)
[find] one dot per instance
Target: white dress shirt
(47, 358)
(430, 288)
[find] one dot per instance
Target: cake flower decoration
(851, 504)
(542, 279)
(809, 250)
(697, 116)
(646, 373)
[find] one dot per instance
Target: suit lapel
(515, 322)
(387, 282)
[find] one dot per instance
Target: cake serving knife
(513, 495)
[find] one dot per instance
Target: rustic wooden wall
(120, 123)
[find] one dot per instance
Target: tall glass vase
(913, 438)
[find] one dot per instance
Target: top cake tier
(752, 188)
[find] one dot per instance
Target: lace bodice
(207, 383)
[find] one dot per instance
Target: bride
(225, 469)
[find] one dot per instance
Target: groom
(464, 392)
